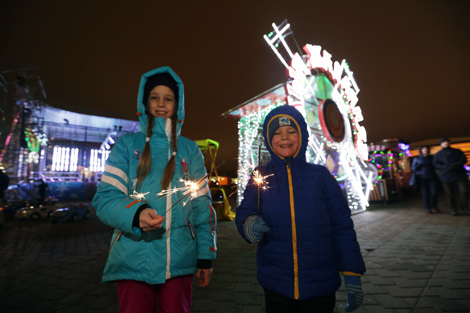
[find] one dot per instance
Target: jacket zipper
(294, 234)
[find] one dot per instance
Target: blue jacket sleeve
(248, 207)
(347, 249)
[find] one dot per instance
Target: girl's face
(161, 102)
(285, 141)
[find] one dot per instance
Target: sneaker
(429, 211)
(438, 211)
(453, 213)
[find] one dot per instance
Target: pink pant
(174, 296)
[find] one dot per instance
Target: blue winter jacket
(311, 238)
(171, 251)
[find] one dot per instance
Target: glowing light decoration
(325, 92)
(64, 159)
(250, 139)
(98, 159)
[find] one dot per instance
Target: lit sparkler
(260, 179)
(138, 195)
(189, 185)
(190, 189)
(261, 182)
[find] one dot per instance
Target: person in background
(159, 242)
(450, 163)
(43, 189)
(302, 225)
(4, 183)
(426, 175)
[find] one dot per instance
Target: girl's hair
(145, 162)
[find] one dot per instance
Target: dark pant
(276, 303)
(451, 201)
(429, 192)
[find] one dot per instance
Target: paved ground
(416, 263)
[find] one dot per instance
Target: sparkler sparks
(261, 183)
(260, 180)
(190, 189)
(138, 195)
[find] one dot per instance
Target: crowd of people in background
(446, 167)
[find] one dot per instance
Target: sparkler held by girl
(190, 188)
(156, 250)
(303, 225)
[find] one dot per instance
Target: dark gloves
(354, 291)
(255, 228)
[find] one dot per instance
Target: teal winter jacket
(171, 251)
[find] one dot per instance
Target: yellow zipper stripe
(294, 235)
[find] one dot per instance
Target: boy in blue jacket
(303, 225)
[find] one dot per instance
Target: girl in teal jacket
(158, 241)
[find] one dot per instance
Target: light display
(250, 139)
(98, 159)
(64, 159)
(325, 92)
(391, 159)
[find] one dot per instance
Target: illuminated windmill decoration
(325, 92)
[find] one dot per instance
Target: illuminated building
(64, 148)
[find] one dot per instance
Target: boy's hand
(354, 291)
(255, 228)
(149, 220)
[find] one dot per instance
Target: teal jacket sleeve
(112, 201)
(205, 220)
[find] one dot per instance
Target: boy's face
(285, 141)
(161, 102)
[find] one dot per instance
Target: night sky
(409, 58)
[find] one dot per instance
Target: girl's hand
(149, 220)
(204, 276)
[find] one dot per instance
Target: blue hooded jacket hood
(159, 122)
(299, 123)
